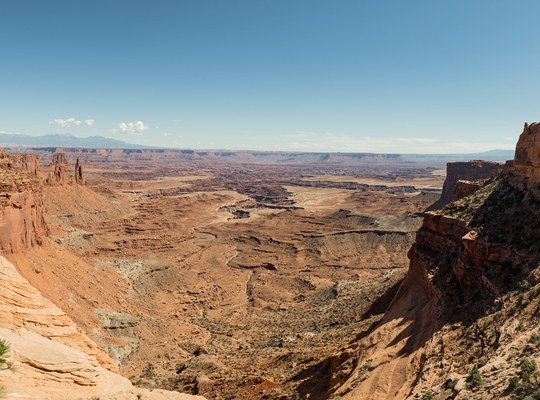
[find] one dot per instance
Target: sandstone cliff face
(22, 223)
(21, 162)
(527, 158)
(457, 306)
(53, 358)
(470, 171)
(59, 171)
(78, 176)
(58, 174)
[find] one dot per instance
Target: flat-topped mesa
(464, 171)
(527, 157)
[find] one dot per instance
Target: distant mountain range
(491, 155)
(100, 142)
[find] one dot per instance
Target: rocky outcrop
(22, 222)
(467, 260)
(78, 175)
(527, 157)
(465, 188)
(53, 358)
(58, 174)
(59, 171)
(470, 171)
(21, 162)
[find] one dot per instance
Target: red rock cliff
(469, 170)
(464, 258)
(59, 173)
(527, 157)
(22, 223)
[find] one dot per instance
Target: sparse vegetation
(526, 384)
(450, 383)
(534, 338)
(364, 370)
(527, 369)
(475, 378)
(4, 357)
(427, 395)
(4, 361)
(524, 285)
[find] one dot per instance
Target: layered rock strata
(22, 222)
(466, 171)
(58, 174)
(52, 357)
(59, 171)
(465, 258)
(527, 157)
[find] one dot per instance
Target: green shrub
(4, 349)
(427, 395)
(524, 284)
(534, 338)
(474, 379)
(4, 361)
(527, 369)
(513, 383)
(450, 383)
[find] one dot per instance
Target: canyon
(147, 274)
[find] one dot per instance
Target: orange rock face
(22, 223)
(78, 172)
(53, 358)
(470, 170)
(527, 158)
(59, 170)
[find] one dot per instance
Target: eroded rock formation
(53, 358)
(59, 171)
(78, 175)
(467, 260)
(527, 158)
(467, 171)
(58, 174)
(22, 223)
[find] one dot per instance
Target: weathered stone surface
(53, 358)
(58, 174)
(470, 171)
(527, 157)
(78, 175)
(465, 188)
(22, 223)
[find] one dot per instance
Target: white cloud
(136, 127)
(10, 133)
(69, 122)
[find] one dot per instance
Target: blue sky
(383, 76)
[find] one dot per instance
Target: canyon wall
(22, 222)
(527, 158)
(467, 171)
(467, 257)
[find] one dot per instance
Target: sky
(430, 76)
